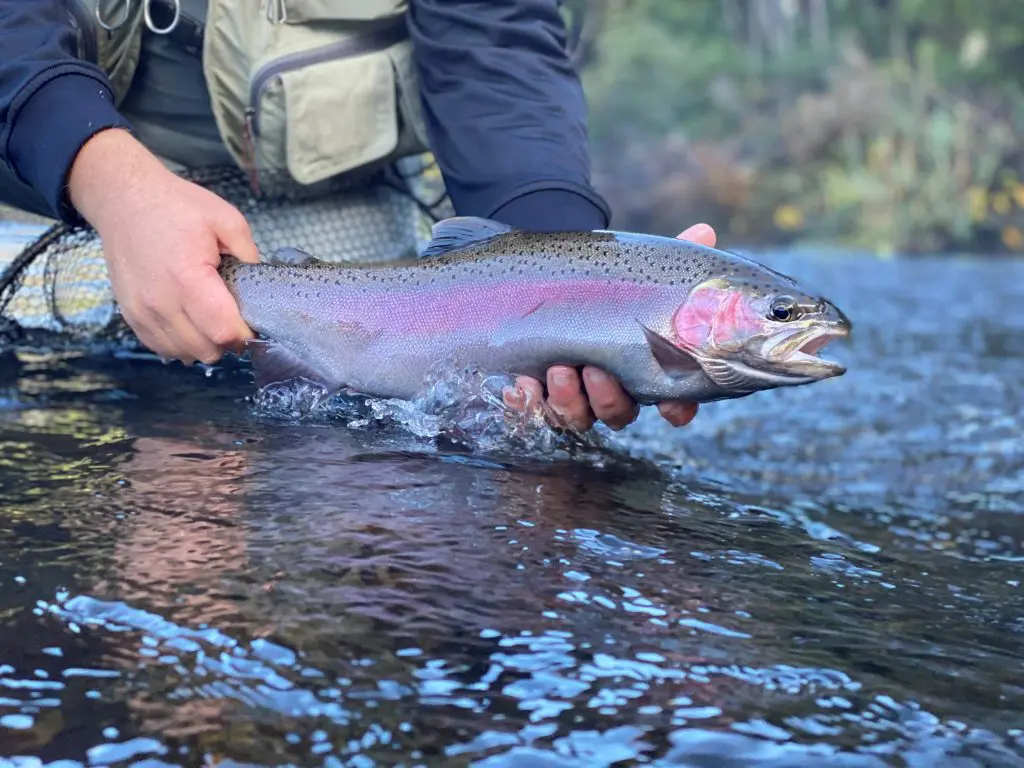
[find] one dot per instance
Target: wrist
(107, 172)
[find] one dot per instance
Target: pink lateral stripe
(426, 310)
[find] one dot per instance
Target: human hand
(162, 239)
(598, 396)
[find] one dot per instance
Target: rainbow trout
(671, 320)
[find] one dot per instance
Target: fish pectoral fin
(292, 256)
(273, 363)
(674, 360)
(461, 232)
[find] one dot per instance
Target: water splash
(460, 406)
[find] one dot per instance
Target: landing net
(56, 291)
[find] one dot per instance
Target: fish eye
(783, 309)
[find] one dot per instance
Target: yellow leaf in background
(1013, 238)
(788, 217)
(1017, 190)
(978, 199)
(880, 153)
(1001, 203)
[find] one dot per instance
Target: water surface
(828, 575)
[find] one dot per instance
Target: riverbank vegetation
(892, 125)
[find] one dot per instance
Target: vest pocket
(325, 117)
(308, 103)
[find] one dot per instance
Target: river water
(827, 575)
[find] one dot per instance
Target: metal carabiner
(118, 25)
(149, 18)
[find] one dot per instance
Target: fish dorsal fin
(272, 363)
(460, 232)
(676, 362)
(292, 256)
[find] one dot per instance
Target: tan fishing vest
(303, 91)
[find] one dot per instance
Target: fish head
(758, 329)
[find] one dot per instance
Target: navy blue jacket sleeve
(506, 112)
(50, 102)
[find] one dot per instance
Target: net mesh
(56, 293)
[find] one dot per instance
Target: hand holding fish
(162, 240)
(598, 396)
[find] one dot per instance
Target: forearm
(506, 112)
(111, 167)
(51, 103)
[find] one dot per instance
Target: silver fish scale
(634, 257)
(639, 258)
(58, 286)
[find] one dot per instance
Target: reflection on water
(828, 575)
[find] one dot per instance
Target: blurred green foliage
(888, 124)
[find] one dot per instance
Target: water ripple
(193, 573)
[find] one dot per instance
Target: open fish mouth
(798, 352)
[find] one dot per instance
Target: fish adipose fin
(272, 363)
(461, 232)
(673, 360)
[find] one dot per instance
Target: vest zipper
(378, 39)
(277, 12)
